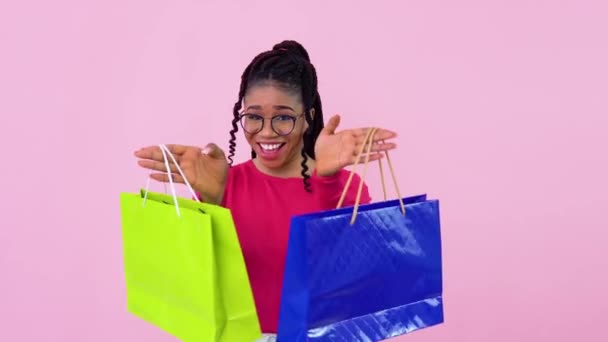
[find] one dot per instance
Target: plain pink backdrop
(501, 107)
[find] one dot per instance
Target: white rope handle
(166, 152)
(181, 172)
(170, 175)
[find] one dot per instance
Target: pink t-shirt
(262, 207)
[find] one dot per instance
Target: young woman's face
(280, 115)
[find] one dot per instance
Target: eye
(283, 117)
(252, 117)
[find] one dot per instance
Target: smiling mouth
(271, 147)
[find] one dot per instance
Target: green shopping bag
(184, 268)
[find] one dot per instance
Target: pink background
(501, 108)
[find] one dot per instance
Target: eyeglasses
(282, 124)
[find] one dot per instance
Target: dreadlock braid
(287, 65)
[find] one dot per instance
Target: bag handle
(369, 138)
(166, 152)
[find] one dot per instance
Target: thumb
(332, 125)
(213, 151)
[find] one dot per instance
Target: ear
(312, 117)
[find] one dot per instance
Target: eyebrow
(256, 107)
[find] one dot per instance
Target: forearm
(210, 200)
(329, 189)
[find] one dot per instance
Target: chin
(271, 164)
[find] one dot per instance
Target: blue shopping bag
(363, 273)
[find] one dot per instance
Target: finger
(360, 132)
(156, 165)
(213, 151)
(147, 152)
(377, 140)
(176, 149)
(381, 133)
(331, 126)
(380, 147)
(163, 177)
(376, 147)
(372, 157)
(154, 153)
(384, 134)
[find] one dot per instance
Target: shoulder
(241, 168)
(345, 174)
(341, 177)
(237, 181)
(352, 190)
(343, 180)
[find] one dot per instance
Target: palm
(330, 151)
(206, 173)
(336, 150)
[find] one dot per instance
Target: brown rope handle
(352, 173)
(349, 180)
(368, 142)
(359, 190)
(382, 177)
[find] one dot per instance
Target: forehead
(268, 96)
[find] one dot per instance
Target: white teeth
(270, 147)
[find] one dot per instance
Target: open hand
(336, 150)
(206, 170)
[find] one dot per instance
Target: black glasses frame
(294, 119)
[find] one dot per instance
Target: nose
(267, 130)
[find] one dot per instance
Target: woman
(297, 165)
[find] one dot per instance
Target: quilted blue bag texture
(363, 273)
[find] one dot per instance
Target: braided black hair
(287, 65)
